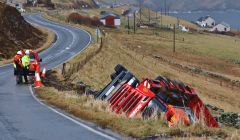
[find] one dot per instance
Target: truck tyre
(119, 68)
(113, 76)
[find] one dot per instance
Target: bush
(85, 20)
(47, 3)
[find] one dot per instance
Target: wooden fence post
(63, 68)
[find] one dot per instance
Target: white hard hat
(27, 52)
(19, 52)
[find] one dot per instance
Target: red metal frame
(132, 101)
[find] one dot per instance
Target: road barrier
(37, 78)
(43, 75)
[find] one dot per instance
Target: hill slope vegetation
(16, 33)
(185, 5)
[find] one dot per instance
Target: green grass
(219, 46)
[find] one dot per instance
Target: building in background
(206, 22)
(221, 27)
(110, 19)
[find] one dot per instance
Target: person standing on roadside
(18, 66)
(26, 63)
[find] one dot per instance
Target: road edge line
(69, 118)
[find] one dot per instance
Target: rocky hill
(16, 33)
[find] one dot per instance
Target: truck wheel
(119, 68)
(113, 76)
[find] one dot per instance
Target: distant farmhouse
(209, 23)
(206, 22)
(110, 19)
(130, 12)
(221, 27)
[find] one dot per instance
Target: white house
(221, 27)
(110, 19)
(183, 28)
(206, 22)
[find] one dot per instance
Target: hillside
(184, 5)
(76, 4)
(16, 33)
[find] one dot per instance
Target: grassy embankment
(208, 51)
(87, 108)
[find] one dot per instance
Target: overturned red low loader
(179, 102)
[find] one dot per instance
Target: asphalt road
(22, 116)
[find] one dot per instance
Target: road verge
(85, 107)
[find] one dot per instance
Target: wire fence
(69, 69)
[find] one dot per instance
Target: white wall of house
(103, 21)
(220, 28)
(210, 22)
(117, 22)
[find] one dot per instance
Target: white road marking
(71, 119)
(61, 114)
(54, 110)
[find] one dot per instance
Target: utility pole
(134, 22)
(178, 22)
(168, 10)
(140, 8)
(165, 7)
(161, 17)
(149, 16)
(128, 25)
(156, 16)
(174, 38)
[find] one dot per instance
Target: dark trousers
(19, 74)
(25, 74)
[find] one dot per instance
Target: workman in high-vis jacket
(17, 60)
(26, 63)
(18, 67)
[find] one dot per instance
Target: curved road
(22, 116)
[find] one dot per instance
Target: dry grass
(208, 51)
(96, 73)
(98, 112)
(205, 50)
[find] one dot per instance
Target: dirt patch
(16, 33)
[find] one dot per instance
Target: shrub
(85, 20)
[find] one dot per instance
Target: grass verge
(85, 107)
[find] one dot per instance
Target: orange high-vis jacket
(176, 115)
(17, 60)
